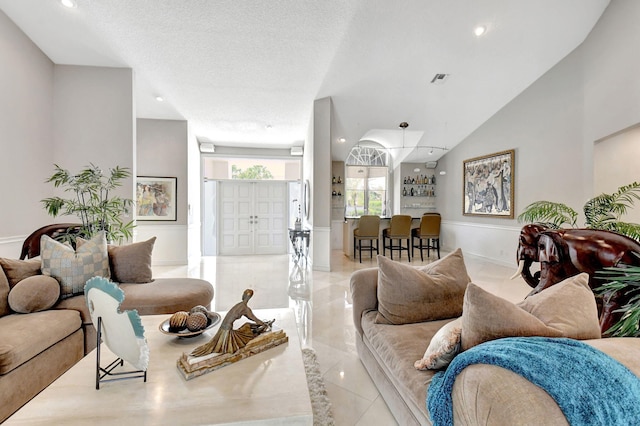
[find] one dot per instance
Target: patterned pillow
(73, 268)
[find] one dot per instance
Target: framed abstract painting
(156, 198)
(488, 185)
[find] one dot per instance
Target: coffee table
(267, 388)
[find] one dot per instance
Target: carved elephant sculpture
(563, 253)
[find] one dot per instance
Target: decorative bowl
(213, 319)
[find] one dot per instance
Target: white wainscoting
(321, 248)
(194, 242)
(170, 247)
(10, 247)
(494, 243)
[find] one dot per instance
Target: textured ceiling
(234, 68)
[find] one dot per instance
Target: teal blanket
(589, 386)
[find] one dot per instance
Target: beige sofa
(36, 348)
(482, 394)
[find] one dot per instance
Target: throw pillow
(408, 294)
(444, 346)
(132, 263)
(33, 294)
(567, 309)
(72, 268)
(17, 270)
(4, 294)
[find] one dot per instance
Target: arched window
(366, 180)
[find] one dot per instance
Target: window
(366, 181)
(251, 168)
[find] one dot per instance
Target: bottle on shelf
(404, 190)
(339, 179)
(333, 179)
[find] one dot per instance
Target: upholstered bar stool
(428, 231)
(399, 229)
(369, 230)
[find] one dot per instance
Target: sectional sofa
(42, 335)
(392, 340)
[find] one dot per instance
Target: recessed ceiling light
(69, 3)
(159, 98)
(342, 140)
(479, 30)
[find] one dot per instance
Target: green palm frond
(624, 280)
(549, 213)
(607, 208)
(631, 230)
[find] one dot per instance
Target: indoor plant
(624, 279)
(92, 202)
(601, 212)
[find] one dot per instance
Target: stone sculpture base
(191, 366)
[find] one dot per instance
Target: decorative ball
(196, 321)
(178, 321)
(200, 308)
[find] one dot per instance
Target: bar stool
(399, 229)
(368, 229)
(429, 230)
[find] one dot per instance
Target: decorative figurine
(563, 253)
(229, 340)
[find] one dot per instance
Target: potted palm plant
(601, 212)
(92, 202)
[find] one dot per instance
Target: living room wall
(553, 125)
(25, 135)
(63, 114)
(162, 152)
(320, 218)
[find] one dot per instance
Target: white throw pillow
(444, 346)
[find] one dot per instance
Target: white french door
(253, 218)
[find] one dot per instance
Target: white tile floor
(322, 303)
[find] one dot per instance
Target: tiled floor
(322, 304)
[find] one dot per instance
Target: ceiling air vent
(207, 147)
(439, 78)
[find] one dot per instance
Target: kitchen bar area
(369, 191)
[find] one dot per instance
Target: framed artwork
(488, 185)
(156, 198)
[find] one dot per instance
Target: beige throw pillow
(17, 270)
(408, 294)
(132, 263)
(4, 294)
(567, 309)
(72, 268)
(34, 294)
(444, 346)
